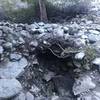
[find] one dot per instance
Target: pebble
(48, 76)
(1, 49)
(80, 55)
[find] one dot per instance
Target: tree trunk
(43, 13)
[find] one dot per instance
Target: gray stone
(95, 32)
(12, 69)
(34, 43)
(96, 61)
(41, 24)
(80, 42)
(65, 29)
(93, 37)
(80, 55)
(15, 56)
(59, 32)
(8, 45)
(9, 88)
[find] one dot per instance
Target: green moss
(90, 55)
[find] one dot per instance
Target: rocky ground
(51, 61)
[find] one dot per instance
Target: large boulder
(28, 10)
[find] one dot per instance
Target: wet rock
(12, 69)
(83, 84)
(9, 88)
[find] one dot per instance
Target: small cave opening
(63, 67)
(51, 62)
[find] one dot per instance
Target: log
(43, 12)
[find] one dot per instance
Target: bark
(43, 12)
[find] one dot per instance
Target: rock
(65, 29)
(55, 97)
(21, 96)
(9, 88)
(48, 76)
(34, 43)
(1, 33)
(80, 55)
(25, 33)
(59, 32)
(96, 61)
(41, 24)
(80, 42)
(83, 84)
(7, 45)
(1, 49)
(34, 89)
(94, 32)
(29, 96)
(15, 56)
(93, 38)
(87, 97)
(12, 69)
(94, 95)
